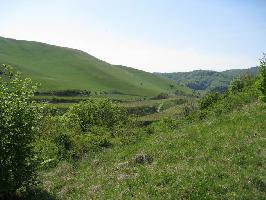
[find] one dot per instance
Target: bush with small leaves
(19, 118)
(96, 112)
(261, 80)
(208, 100)
(236, 85)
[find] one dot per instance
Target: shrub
(208, 100)
(86, 127)
(18, 127)
(218, 104)
(188, 108)
(54, 133)
(96, 112)
(261, 80)
(236, 85)
(64, 143)
(90, 142)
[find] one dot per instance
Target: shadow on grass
(36, 194)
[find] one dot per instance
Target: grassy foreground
(217, 158)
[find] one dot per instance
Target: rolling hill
(60, 68)
(206, 79)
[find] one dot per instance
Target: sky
(151, 35)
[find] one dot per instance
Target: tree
(261, 80)
(18, 125)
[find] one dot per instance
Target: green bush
(261, 81)
(96, 112)
(236, 85)
(241, 92)
(90, 142)
(55, 134)
(18, 127)
(208, 100)
(86, 127)
(187, 109)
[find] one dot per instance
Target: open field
(213, 159)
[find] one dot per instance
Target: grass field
(58, 68)
(211, 159)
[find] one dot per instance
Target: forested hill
(207, 79)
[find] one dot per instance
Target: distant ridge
(207, 79)
(61, 68)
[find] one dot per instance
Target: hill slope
(217, 158)
(206, 79)
(58, 68)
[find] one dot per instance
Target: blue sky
(153, 35)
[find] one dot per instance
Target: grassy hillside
(216, 158)
(58, 68)
(208, 80)
(211, 149)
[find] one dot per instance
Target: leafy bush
(236, 85)
(261, 81)
(241, 92)
(90, 142)
(96, 112)
(188, 108)
(208, 100)
(86, 127)
(18, 127)
(55, 141)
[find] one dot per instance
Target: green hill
(59, 68)
(207, 79)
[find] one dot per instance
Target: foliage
(87, 127)
(96, 112)
(208, 80)
(208, 100)
(236, 86)
(18, 128)
(188, 108)
(241, 82)
(261, 81)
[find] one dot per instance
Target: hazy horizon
(154, 36)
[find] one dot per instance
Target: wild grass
(218, 158)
